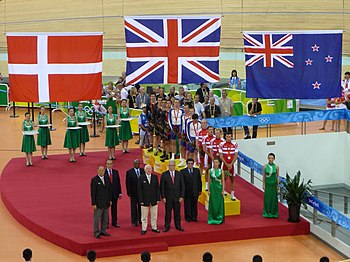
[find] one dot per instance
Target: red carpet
(52, 199)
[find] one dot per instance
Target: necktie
(172, 176)
(138, 173)
(110, 175)
(191, 171)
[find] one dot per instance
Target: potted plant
(296, 192)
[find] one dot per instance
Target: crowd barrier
(311, 200)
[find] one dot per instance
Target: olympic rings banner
(281, 118)
(312, 201)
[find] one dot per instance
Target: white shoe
(172, 156)
(206, 187)
(233, 196)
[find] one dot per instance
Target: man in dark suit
(149, 197)
(112, 176)
(172, 190)
(132, 177)
(100, 200)
(202, 92)
(193, 189)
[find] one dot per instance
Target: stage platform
(52, 199)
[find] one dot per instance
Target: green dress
(84, 133)
(270, 195)
(216, 212)
(112, 138)
(44, 138)
(125, 128)
(28, 142)
(112, 103)
(72, 138)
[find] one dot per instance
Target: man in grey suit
(101, 198)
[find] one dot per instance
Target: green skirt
(270, 201)
(112, 138)
(125, 131)
(28, 144)
(72, 139)
(216, 212)
(84, 135)
(44, 138)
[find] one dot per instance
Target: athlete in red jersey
(199, 144)
(215, 143)
(206, 149)
(228, 155)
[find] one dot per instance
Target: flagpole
(32, 111)
(14, 110)
(94, 123)
(51, 127)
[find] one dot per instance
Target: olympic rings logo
(264, 120)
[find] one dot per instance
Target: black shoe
(135, 225)
(188, 220)
(180, 229)
(113, 158)
(46, 157)
(137, 142)
(194, 220)
(156, 153)
(43, 158)
(97, 236)
(156, 230)
(81, 154)
(164, 159)
(104, 233)
(150, 149)
(163, 156)
(116, 225)
(143, 232)
(166, 229)
(247, 137)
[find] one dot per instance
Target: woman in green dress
(125, 133)
(72, 138)
(28, 142)
(44, 138)
(271, 181)
(216, 191)
(112, 138)
(111, 97)
(84, 133)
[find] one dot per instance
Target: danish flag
(268, 50)
(172, 50)
(55, 67)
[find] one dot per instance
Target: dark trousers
(114, 211)
(135, 209)
(190, 204)
(100, 215)
(169, 206)
(255, 131)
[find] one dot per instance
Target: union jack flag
(172, 50)
(268, 49)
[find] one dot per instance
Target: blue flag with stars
(293, 65)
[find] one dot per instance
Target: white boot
(206, 186)
(172, 156)
(182, 162)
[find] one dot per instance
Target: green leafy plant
(296, 191)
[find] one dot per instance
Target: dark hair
(257, 258)
(124, 100)
(347, 73)
(271, 154)
(91, 255)
(234, 71)
(27, 254)
(202, 84)
(152, 93)
(324, 259)
(26, 113)
(189, 160)
(210, 127)
(145, 256)
(194, 116)
(207, 257)
(163, 99)
(72, 107)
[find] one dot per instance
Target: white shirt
(199, 108)
(148, 178)
(137, 171)
(124, 93)
(102, 179)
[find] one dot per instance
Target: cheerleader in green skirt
(271, 181)
(84, 133)
(112, 138)
(44, 138)
(125, 133)
(72, 138)
(28, 143)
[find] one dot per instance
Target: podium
(232, 208)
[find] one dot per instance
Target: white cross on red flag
(54, 67)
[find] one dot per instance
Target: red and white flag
(57, 67)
